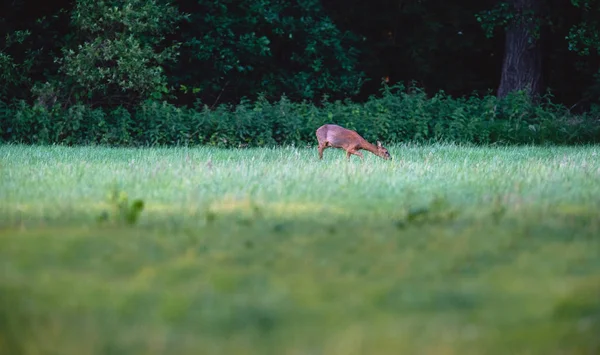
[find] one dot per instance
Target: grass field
(443, 250)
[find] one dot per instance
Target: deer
(334, 136)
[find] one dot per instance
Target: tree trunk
(522, 66)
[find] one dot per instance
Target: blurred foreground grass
(444, 250)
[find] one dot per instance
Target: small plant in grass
(498, 210)
(123, 211)
(438, 211)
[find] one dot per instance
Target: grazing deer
(334, 136)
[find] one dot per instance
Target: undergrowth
(397, 115)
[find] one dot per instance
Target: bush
(397, 115)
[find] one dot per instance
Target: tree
(32, 34)
(565, 28)
(12, 73)
(234, 49)
(584, 39)
(522, 65)
(116, 53)
(112, 52)
(438, 44)
(522, 61)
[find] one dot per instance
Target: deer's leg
(355, 152)
(322, 147)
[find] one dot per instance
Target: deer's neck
(370, 147)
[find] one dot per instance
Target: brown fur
(334, 136)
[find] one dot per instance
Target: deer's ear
(378, 143)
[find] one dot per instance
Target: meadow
(445, 249)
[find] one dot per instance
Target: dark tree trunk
(522, 66)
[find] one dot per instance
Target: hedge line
(398, 115)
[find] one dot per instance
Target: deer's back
(338, 136)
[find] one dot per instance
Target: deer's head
(382, 152)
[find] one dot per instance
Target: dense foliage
(397, 116)
(262, 72)
(266, 46)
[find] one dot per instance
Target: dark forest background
(261, 72)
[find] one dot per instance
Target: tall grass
(443, 250)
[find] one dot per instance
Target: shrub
(398, 115)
